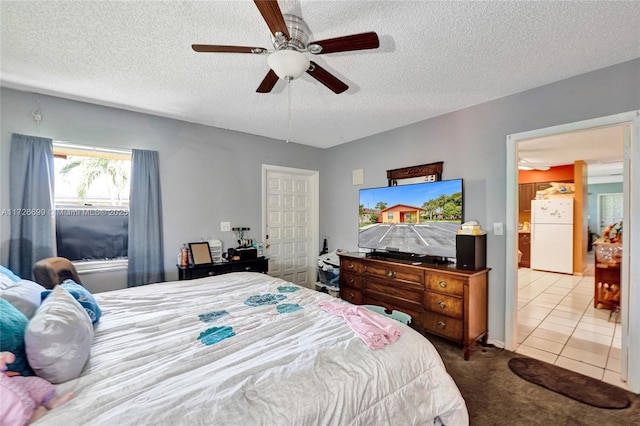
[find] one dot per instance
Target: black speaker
(471, 252)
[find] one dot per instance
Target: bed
(249, 349)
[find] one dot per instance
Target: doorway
(629, 354)
(290, 223)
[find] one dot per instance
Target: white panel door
(291, 223)
(609, 209)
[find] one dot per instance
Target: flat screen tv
(419, 219)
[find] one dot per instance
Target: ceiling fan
(289, 59)
(529, 165)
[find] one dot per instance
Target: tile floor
(557, 323)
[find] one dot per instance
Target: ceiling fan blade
(343, 44)
(326, 78)
(272, 15)
(267, 84)
(226, 49)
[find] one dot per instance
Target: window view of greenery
(92, 204)
(91, 181)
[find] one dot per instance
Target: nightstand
(260, 264)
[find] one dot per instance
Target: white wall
(208, 175)
(472, 144)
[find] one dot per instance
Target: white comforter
(298, 367)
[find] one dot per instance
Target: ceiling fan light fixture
(288, 64)
(525, 165)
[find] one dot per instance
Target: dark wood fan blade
(226, 49)
(272, 15)
(267, 84)
(326, 78)
(343, 44)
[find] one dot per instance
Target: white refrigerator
(552, 235)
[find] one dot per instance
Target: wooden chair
(396, 315)
(51, 271)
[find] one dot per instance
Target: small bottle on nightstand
(184, 256)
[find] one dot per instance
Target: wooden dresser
(441, 300)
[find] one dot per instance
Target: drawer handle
(351, 295)
(351, 280)
(442, 304)
(391, 274)
(350, 266)
(441, 325)
(442, 284)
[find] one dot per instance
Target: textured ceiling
(434, 57)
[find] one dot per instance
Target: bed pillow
(83, 296)
(12, 330)
(59, 337)
(24, 295)
(9, 274)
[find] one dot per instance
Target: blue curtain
(31, 178)
(146, 264)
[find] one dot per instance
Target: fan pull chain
(288, 111)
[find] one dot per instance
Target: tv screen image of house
(421, 218)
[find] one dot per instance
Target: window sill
(95, 266)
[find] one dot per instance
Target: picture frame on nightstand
(200, 253)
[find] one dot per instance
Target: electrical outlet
(497, 228)
(225, 226)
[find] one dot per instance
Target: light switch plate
(225, 226)
(497, 228)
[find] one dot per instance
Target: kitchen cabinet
(541, 186)
(524, 245)
(526, 193)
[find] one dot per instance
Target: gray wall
(208, 175)
(472, 144)
(594, 190)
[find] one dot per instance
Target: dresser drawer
(350, 279)
(443, 304)
(352, 295)
(445, 283)
(393, 291)
(443, 325)
(415, 311)
(409, 276)
(352, 265)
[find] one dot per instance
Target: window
(91, 195)
(389, 216)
